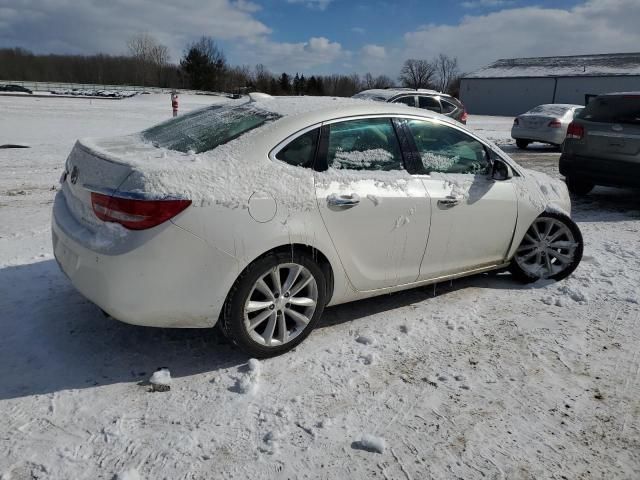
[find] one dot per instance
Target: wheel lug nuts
(271, 307)
(276, 295)
(286, 295)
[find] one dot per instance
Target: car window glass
(613, 109)
(411, 101)
(367, 144)
(300, 151)
(447, 107)
(447, 150)
(429, 103)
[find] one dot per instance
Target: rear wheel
(522, 144)
(274, 304)
(551, 248)
(579, 186)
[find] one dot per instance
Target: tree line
(204, 66)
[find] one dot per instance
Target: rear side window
(367, 144)
(301, 151)
(447, 107)
(429, 103)
(447, 150)
(613, 109)
(205, 129)
(411, 101)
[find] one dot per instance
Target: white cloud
(596, 26)
(317, 54)
(359, 30)
(374, 51)
(319, 4)
(65, 26)
(487, 3)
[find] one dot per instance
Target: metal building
(513, 86)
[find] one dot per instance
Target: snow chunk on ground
(370, 443)
(249, 382)
(161, 379)
(131, 474)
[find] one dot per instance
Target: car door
(473, 217)
(375, 212)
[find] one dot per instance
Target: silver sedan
(544, 123)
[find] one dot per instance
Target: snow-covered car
(544, 123)
(420, 98)
(256, 215)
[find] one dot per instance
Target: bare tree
(382, 81)
(417, 73)
(447, 71)
(151, 57)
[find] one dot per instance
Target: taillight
(135, 214)
(575, 131)
(516, 122)
(555, 123)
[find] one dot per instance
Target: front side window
(411, 100)
(447, 150)
(207, 128)
(301, 151)
(429, 103)
(367, 144)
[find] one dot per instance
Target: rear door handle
(449, 201)
(343, 200)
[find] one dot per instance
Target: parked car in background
(256, 215)
(14, 88)
(421, 98)
(544, 123)
(603, 144)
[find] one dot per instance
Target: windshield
(205, 129)
(610, 109)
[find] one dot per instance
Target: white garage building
(513, 86)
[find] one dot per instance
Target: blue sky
(330, 36)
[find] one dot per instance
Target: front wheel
(551, 248)
(274, 304)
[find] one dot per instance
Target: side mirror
(501, 170)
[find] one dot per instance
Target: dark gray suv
(603, 144)
(420, 98)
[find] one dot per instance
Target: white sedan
(256, 215)
(544, 123)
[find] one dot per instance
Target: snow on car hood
(543, 191)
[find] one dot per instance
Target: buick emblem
(74, 175)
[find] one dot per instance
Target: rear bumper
(171, 278)
(599, 171)
(554, 136)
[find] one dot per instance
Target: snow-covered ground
(479, 378)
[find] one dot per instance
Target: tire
(257, 285)
(579, 186)
(548, 254)
(522, 144)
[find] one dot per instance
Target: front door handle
(449, 201)
(352, 200)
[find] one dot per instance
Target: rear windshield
(369, 96)
(205, 129)
(556, 110)
(610, 109)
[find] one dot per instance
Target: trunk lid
(93, 166)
